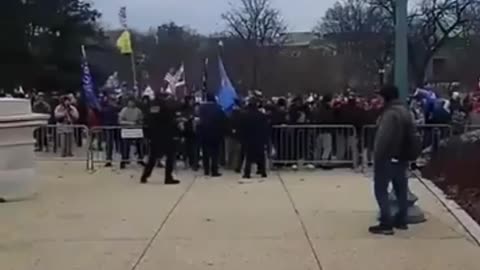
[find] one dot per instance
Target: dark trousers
(41, 137)
(255, 154)
(384, 173)
(211, 152)
(192, 151)
(112, 141)
(78, 133)
(158, 151)
(243, 154)
(126, 145)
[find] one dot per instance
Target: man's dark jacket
(212, 125)
(161, 124)
(391, 132)
(257, 129)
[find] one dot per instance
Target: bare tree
(362, 34)
(432, 23)
(354, 16)
(257, 24)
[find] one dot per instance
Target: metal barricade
(431, 136)
(366, 144)
(113, 145)
(314, 145)
(470, 128)
(61, 143)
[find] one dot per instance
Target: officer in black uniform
(162, 129)
(211, 130)
(256, 138)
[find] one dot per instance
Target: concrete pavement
(292, 220)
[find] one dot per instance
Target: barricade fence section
(431, 136)
(61, 142)
(470, 128)
(298, 145)
(117, 144)
(314, 145)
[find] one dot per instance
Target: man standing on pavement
(393, 149)
(162, 129)
(256, 135)
(211, 130)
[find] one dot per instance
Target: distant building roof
(309, 40)
(299, 38)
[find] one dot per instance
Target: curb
(467, 222)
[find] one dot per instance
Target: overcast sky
(204, 15)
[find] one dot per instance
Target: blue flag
(226, 95)
(90, 98)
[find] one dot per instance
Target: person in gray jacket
(390, 162)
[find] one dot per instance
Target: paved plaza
(290, 221)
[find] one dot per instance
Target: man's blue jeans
(384, 173)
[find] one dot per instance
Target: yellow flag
(124, 43)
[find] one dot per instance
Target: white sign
(132, 133)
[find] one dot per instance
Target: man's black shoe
(216, 175)
(172, 182)
(263, 175)
(401, 226)
(143, 180)
(381, 229)
(122, 165)
(108, 165)
(246, 177)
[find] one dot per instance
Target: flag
(124, 43)
(122, 16)
(175, 80)
(91, 101)
(226, 94)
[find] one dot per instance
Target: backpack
(412, 146)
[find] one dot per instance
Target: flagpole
(123, 22)
(134, 73)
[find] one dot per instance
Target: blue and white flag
(226, 94)
(87, 84)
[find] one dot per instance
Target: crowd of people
(242, 131)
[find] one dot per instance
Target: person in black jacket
(162, 128)
(390, 161)
(257, 133)
(211, 130)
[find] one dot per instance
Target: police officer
(256, 137)
(211, 130)
(162, 128)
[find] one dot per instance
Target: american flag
(87, 83)
(122, 15)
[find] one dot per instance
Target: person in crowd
(162, 128)
(458, 113)
(66, 114)
(394, 128)
(256, 138)
(109, 119)
(323, 114)
(191, 149)
(211, 131)
(41, 136)
(130, 117)
(237, 134)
